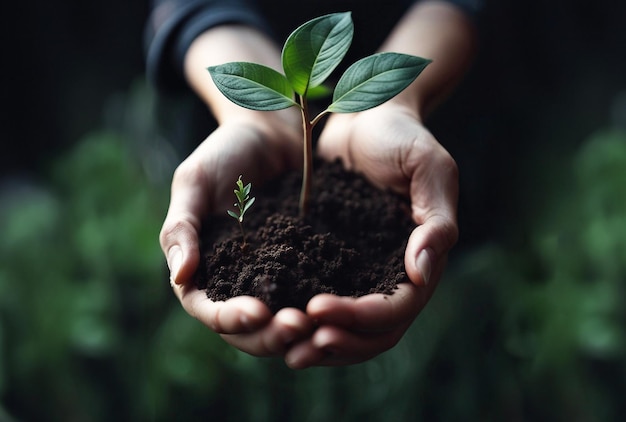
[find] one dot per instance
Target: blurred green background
(528, 323)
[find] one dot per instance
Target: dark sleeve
(472, 8)
(172, 26)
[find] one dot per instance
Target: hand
(203, 183)
(391, 147)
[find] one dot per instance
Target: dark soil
(351, 243)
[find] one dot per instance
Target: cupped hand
(202, 185)
(392, 148)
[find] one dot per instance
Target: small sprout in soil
(244, 202)
(310, 54)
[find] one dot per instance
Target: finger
(434, 205)
(373, 312)
(179, 234)
(334, 346)
(427, 250)
(304, 355)
(288, 326)
(240, 314)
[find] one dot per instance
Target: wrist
(409, 105)
(441, 32)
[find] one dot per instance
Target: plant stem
(318, 118)
(243, 235)
(307, 174)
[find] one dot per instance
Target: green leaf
(248, 204)
(253, 86)
(314, 50)
(240, 196)
(232, 214)
(246, 189)
(375, 79)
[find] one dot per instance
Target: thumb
(434, 190)
(427, 249)
(179, 242)
(179, 237)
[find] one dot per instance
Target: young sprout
(310, 54)
(244, 202)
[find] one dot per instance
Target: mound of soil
(351, 243)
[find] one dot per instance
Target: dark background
(61, 61)
(545, 78)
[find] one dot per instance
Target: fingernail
(174, 261)
(424, 265)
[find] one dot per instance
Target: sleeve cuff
(167, 40)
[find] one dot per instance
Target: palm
(372, 146)
(231, 151)
(394, 151)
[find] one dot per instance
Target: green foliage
(244, 202)
(253, 86)
(68, 277)
(374, 80)
(310, 54)
(315, 49)
(551, 309)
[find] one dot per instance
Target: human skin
(388, 144)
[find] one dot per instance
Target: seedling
(309, 56)
(244, 202)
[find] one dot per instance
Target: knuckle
(188, 172)
(450, 232)
(450, 166)
(172, 230)
(215, 323)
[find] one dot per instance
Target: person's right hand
(203, 184)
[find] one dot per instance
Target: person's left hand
(392, 148)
